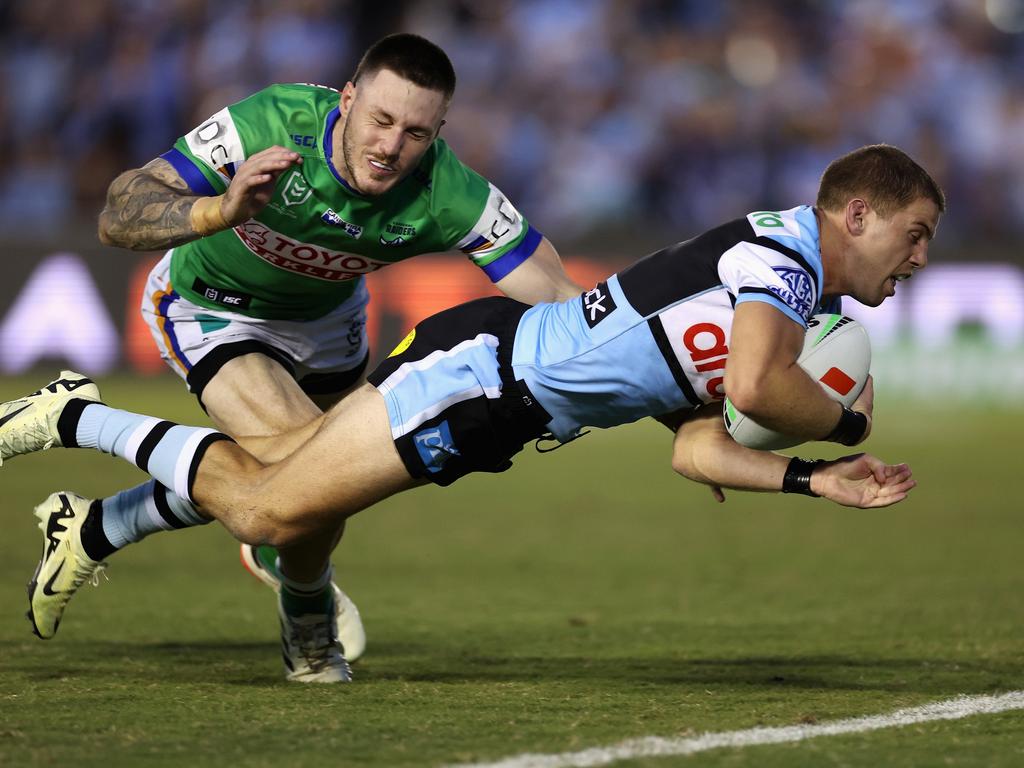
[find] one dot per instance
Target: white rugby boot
(310, 647)
(261, 562)
(64, 566)
(29, 424)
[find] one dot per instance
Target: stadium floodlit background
(589, 596)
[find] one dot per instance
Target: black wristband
(850, 429)
(798, 476)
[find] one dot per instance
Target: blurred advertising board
(954, 331)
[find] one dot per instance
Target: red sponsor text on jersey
(308, 259)
(714, 353)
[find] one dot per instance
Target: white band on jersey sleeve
(217, 144)
(500, 225)
(754, 272)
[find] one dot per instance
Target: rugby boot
(29, 424)
(310, 647)
(64, 565)
(261, 562)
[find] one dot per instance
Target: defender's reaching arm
(540, 278)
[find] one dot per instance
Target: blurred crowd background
(646, 118)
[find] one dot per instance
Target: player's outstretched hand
(862, 480)
(253, 185)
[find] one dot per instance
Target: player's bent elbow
(746, 397)
(683, 463)
(701, 460)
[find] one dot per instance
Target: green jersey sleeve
(208, 156)
(478, 219)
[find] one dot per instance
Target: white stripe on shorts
(457, 397)
(406, 369)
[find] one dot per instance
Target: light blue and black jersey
(654, 338)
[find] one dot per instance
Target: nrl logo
(296, 190)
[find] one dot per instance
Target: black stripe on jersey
(765, 291)
(681, 270)
(691, 267)
(665, 347)
(796, 256)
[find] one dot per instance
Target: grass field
(586, 597)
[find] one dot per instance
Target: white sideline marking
(655, 746)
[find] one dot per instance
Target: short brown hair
(883, 175)
(412, 57)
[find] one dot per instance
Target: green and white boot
(261, 562)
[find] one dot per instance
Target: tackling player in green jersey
(274, 209)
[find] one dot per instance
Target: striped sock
(132, 515)
(169, 452)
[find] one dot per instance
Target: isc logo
(705, 343)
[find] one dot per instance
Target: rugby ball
(836, 354)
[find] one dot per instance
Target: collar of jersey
(328, 145)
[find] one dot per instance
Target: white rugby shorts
(326, 355)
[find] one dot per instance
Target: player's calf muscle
(227, 488)
(256, 503)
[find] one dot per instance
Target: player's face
(891, 250)
(389, 123)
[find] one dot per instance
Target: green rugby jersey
(303, 254)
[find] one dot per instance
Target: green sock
(300, 603)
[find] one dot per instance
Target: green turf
(586, 597)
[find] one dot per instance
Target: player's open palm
(862, 480)
(253, 185)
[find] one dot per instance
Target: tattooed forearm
(148, 209)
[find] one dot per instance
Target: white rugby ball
(836, 354)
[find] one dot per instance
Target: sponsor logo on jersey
(774, 223)
(304, 258)
(229, 298)
(296, 189)
(798, 292)
(217, 144)
(597, 304)
(507, 218)
(697, 331)
(352, 230)
(397, 228)
(216, 151)
(498, 226)
(435, 446)
(403, 233)
(304, 141)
